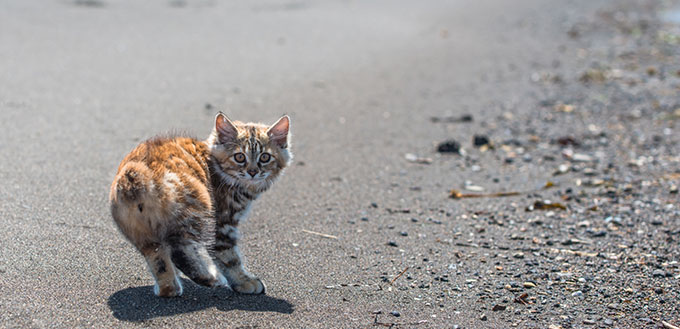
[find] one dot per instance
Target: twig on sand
(321, 234)
(393, 324)
(668, 325)
(399, 275)
(455, 194)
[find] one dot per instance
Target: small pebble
(395, 313)
(479, 140)
(499, 307)
(449, 146)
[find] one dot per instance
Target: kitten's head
(250, 155)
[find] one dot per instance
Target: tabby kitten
(179, 201)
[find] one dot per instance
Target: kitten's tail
(132, 184)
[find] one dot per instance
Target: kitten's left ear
(278, 132)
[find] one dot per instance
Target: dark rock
(395, 313)
(449, 146)
(480, 140)
(567, 141)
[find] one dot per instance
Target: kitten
(179, 201)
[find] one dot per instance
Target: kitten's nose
(252, 172)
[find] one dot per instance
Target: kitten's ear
(278, 132)
(225, 129)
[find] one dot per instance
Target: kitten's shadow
(140, 304)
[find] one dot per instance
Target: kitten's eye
(240, 157)
(265, 157)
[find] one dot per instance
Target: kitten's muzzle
(252, 172)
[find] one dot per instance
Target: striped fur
(180, 201)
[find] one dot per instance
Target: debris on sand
(480, 140)
(546, 205)
(593, 76)
(320, 234)
(451, 119)
(449, 146)
(410, 157)
(455, 194)
(399, 275)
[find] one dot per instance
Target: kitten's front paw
(249, 286)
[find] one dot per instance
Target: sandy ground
(578, 100)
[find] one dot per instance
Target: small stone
(659, 273)
(364, 219)
(608, 322)
(529, 285)
(518, 255)
(499, 307)
(392, 244)
(562, 169)
(480, 140)
(580, 157)
(449, 146)
(395, 313)
(410, 157)
(597, 233)
(577, 293)
(588, 321)
(658, 290)
(403, 233)
(483, 317)
(673, 190)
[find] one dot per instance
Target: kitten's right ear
(225, 129)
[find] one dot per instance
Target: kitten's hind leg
(192, 258)
(161, 267)
(229, 254)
